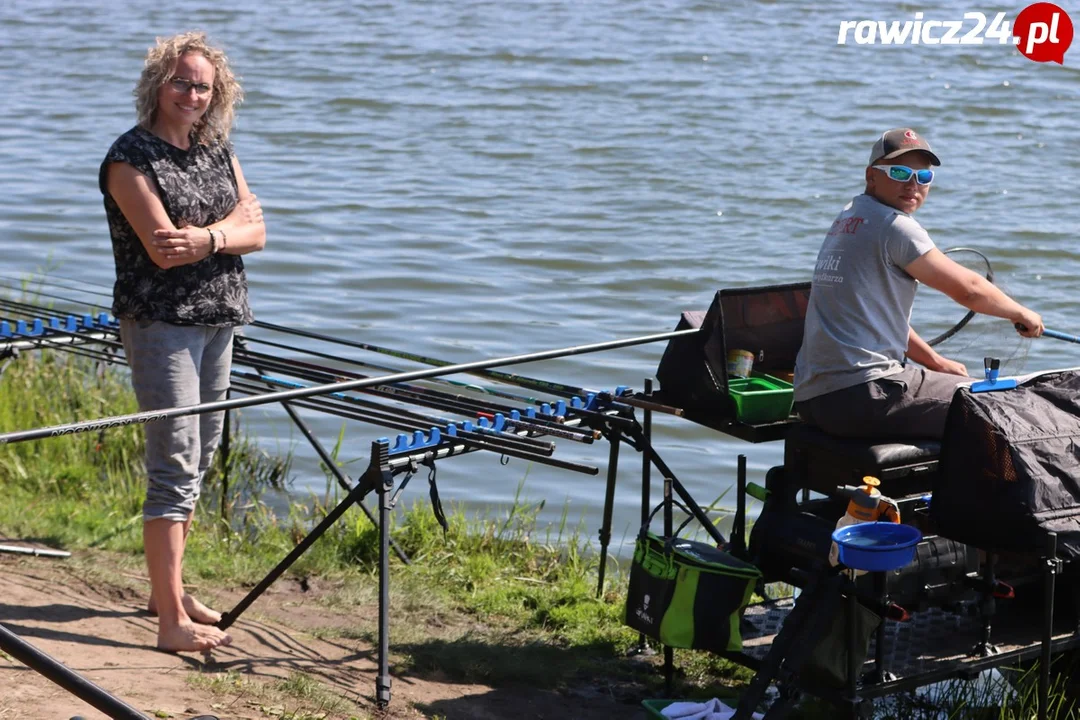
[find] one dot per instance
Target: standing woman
(180, 216)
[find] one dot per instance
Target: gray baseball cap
(899, 141)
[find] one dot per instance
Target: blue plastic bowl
(877, 546)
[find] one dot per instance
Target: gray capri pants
(174, 366)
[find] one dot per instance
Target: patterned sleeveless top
(198, 187)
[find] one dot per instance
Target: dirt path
(91, 617)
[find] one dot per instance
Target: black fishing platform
(965, 603)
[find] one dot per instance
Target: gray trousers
(174, 366)
(911, 404)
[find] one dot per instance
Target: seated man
(851, 378)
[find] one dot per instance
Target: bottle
(865, 504)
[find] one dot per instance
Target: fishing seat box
(817, 461)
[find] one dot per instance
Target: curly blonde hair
(158, 67)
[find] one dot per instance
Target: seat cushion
(818, 461)
(876, 454)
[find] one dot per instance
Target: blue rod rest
(530, 413)
(72, 324)
(991, 367)
(589, 403)
(560, 408)
(20, 327)
(515, 415)
(586, 403)
(401, 443)
(87, 321)
(5, 329)
(545, 409)
(103, 319)
(38, 328)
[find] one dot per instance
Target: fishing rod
(1047, 332)
(230, 404)
(466, 440)
(493, 391)
(27, 285)
(512, 378)
(486, 389)
(39, 310)
(1061, 336)
(427, 397)
(423, 421)
(39, 293)
(419, 421)
(416, 394)
(57, 342)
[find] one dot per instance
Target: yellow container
(740, 363)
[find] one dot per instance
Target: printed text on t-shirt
(846, 226)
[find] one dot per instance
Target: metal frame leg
(342, 480)
(383, 487)
(66, 678)
(646, 474)
(377, 468)
(1052, 568)
(614, 436)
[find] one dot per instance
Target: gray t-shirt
(860, 300)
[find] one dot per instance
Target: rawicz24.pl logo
(1042, 32)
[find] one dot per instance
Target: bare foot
(194, 609)
(191, 637)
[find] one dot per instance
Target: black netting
(1010, 467)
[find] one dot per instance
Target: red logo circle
(1043, 32)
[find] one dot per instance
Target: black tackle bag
(1010, 467)
(767, 321)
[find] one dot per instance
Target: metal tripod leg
(615, 438)
(376, 470)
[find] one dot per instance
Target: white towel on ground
(711, 710)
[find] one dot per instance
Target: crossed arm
(169, 246)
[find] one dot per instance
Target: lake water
(473, 179)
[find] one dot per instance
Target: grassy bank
(497, 600)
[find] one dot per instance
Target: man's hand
(1031, 323)
(951, 367)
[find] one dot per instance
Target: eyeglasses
(183, 86)
(902, 173)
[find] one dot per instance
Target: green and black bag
(688, 594)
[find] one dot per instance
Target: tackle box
(761, 398)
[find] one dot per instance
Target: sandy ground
(99, 628)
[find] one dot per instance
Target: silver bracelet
(223, 240)
(213, 241)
